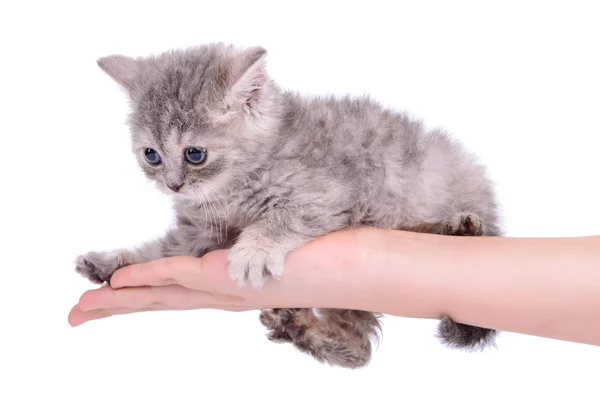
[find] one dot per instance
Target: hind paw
(465, 225)
(285, 324)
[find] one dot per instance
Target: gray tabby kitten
(261, 171)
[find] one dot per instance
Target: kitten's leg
(98, 267)
(337, 337)
(464, 225)
(451, 333)
(260, 251)
(461, 224)
(184, 240)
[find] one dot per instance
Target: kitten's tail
(465, 337)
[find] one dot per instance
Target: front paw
(98, 267)
(254, 265)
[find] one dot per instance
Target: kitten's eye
(152, 156)
(196, 155)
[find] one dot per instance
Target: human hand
(314, 277)
(508, 284)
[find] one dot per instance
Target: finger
(173, 296)
(154, 297)
(161, 272)
(191, 272)
(77, 316)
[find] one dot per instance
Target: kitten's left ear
(251, 84)
(123, 69)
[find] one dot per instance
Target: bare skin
(548, 287)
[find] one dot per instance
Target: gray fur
(283, 169)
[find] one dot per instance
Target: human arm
(547, 287)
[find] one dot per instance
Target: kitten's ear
(250, 85)
(123, 69)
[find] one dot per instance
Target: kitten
(261, 171)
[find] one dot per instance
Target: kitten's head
(199, 117)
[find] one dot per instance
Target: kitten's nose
(174, 186)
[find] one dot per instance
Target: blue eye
(196, 155)
(152, 156)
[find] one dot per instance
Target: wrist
(405, 274)
(372, 269)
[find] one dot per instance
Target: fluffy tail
(466, 337)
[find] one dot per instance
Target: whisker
(212, 211)
(220, 202)
(204, 213)
(207, 219)
(220, 233)
(201, 205)
(208, 193)
(226, 209)
(210, 207)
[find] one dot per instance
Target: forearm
(545, 287)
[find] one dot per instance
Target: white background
(518, 83)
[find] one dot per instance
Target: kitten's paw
(465, 225)
(338, 341)
(286, 324)
(98, 267)
(254, 265)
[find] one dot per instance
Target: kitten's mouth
(185, 193)
(181, 193)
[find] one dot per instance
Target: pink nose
(174, 186)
